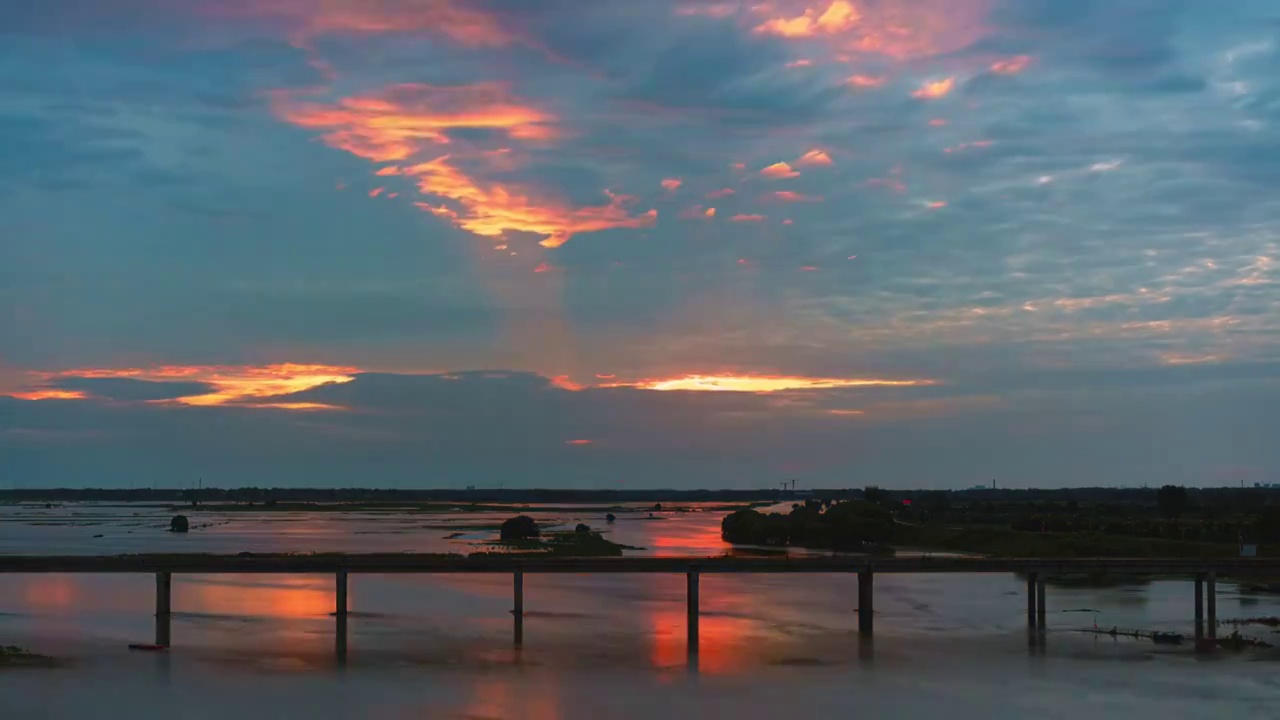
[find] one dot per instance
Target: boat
(1166, 638)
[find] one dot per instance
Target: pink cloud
(742, 217)
(778, 171)
(722, 192)
(789, 196)
(671, 184)
(815, 157)
(935, 89)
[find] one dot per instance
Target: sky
(620, 244)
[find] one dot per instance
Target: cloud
(401, 121)
(1011, 66)
(188, 385)
(866, 81)
(793, 197)
(130, 389)
(405, 121)
(493, 209)
(460, 22)
(813, 158)
(671, 184)
(934, 89)
(898, 30)
(744, 217)
(721, 193)
(779, 171)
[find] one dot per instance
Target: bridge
(341, 566)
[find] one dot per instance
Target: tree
(873, 494)
(521, 527)
(1172, 500)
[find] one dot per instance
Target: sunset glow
(1011, 66)
(899, 29)
(866, 81)
(245, 386)
(815, 157)
(766, 383)
(935, 89)
(779, 171)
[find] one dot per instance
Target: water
(596, 646)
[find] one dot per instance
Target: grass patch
(12, 656)
(562, 544)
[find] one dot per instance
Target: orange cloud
(722, 192)
(696, 212)
(899, 29)
(403, 120)
(49, 395)
(866, 81)
(246, 386)
(711, 212)
(376, 192)
(840, 16)
(778, 171)
(815, 157)
(671, 184)
(742, 217)
(457, 20)
(1011, 66)
(494, 209)
(543, 268)
(788, 196)
(577, 442)
(935, 89)
(764, 383)
(936, 204)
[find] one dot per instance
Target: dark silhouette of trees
(874, 495)
(1172, 500)
(520, 527)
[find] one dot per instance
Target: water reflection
(288, 596)
(496, 696)
(45, 593)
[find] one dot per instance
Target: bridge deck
(412, 563)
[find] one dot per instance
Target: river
(596, 646)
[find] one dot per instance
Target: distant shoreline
(213, 495)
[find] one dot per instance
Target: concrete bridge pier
(340, 616)
(1199, 616)
(1041, 608)
(164, 594)
(1206, 599)
(1032, 579)
(1211, 601)
(692, 625)
(866, 602)
(517, 612)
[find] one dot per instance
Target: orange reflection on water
(721, 641)
(292, 596)
(47, 592)
(677, 538)
(494, 696)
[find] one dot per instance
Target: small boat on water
(1166, 638)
